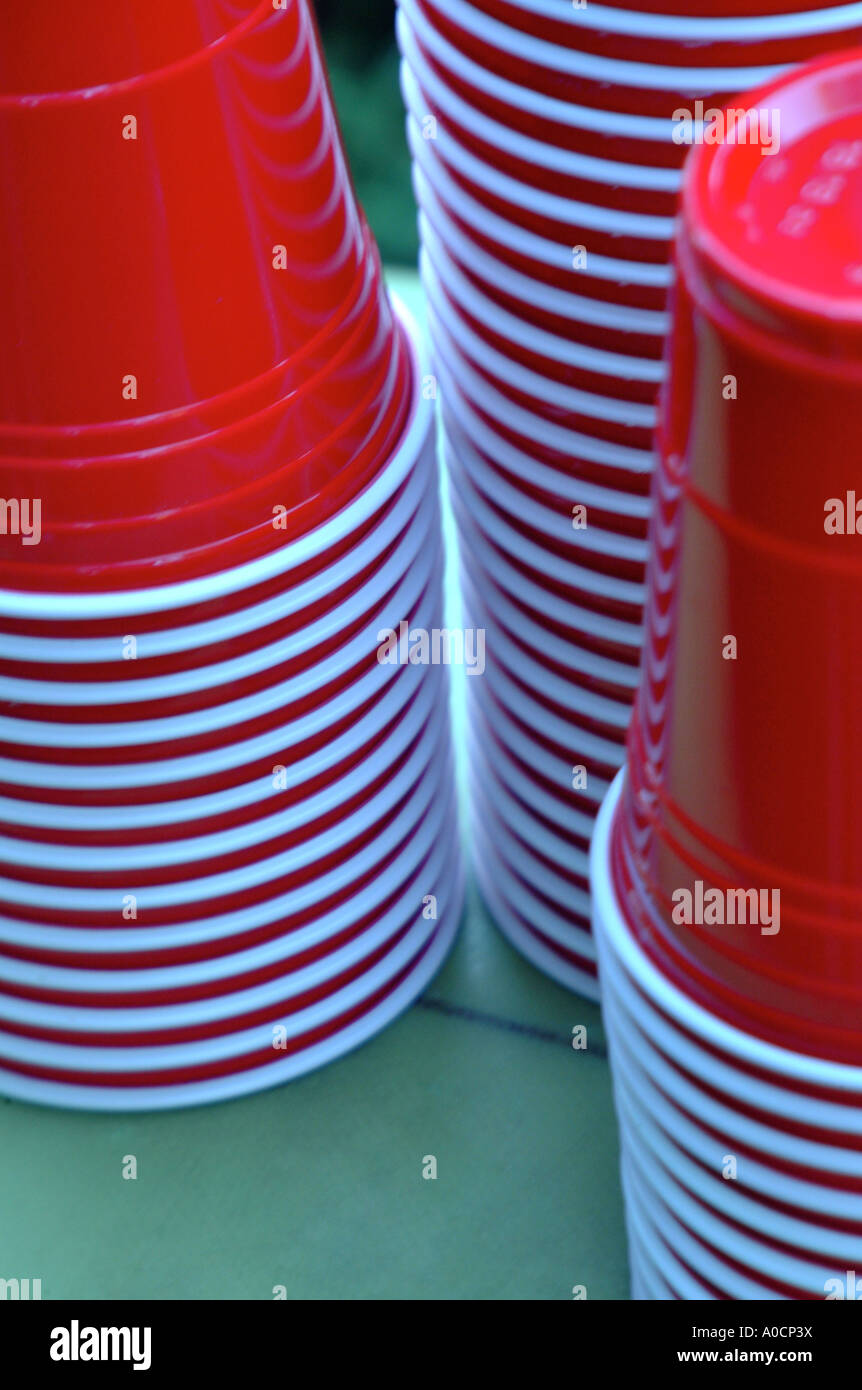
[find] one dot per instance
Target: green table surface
(317, 1187)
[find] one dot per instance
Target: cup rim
(636, 24)
(217, 962)
(523, 242)
(164, 642)
(208, 678)
(223, 928)
(772, 1182)
(747, 1047)
(225, 1003)
(172, 852)
(366, 278)
(721, 1198)
(570, 163)
(577, 700)
(562, 651)
(502, 534)
(712, 1229)
(511, 582)
(697, 1254)
(167, 772)
(475, 435)
(528, 337)
(597, 452)
(227, 1046)
(39, 1009)
(417, 432)
(593, 119)
(573, 62)
(526, 508)
(232, 713)
(526, 788)
(509, 371)
(594, 216)
(607, 316)
(530, 945)
(767, 1097)
(518, 825)
(214, 805)
(240, 1080)
(214, 887)
(536, 892)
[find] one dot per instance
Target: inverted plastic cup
(216, 156)
(772, 305)
(272, 439)
(331, 641)
(210, 573)
(793, 1074)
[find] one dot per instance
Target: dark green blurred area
(359, 39)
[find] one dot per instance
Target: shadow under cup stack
(727, 864)
(547, 158)
(227, 836)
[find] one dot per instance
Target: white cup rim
(53, 606)
(237, 1082)
(610, 923)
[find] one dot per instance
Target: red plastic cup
(580, 77)
(731, 9)
(227, 183)
(566, 312)
(630, 138)
(630, 188)
(748, 497)
(605, 231)
(685, 32)
(244, 466)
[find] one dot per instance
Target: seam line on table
(506, 1025)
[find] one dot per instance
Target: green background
(363, 66)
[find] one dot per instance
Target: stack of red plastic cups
(228, 845)
(548, 140)
(727, 863)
